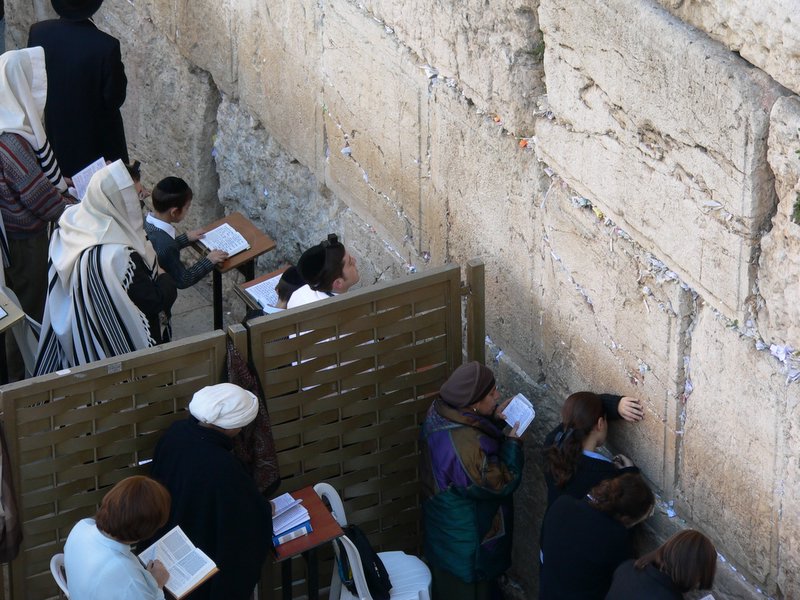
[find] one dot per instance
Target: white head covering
(225, 405)
(23, 93)
(109, 213)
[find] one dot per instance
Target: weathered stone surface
(160, 79)
(788, 492)
(484, 203)
(375, 128)
(779, 264)
(606, 325)
(278, 58)
(280, 195)
(766, 34)
(494, 51)
(730, 461)
(674, 151)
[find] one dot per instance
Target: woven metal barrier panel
(72, 436)
(348, 381)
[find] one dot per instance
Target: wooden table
(324, 529)
(244, 262)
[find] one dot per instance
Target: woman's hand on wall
(631, 409)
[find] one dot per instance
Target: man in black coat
(214, 499)
(86, 86)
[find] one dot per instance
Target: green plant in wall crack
(796, 209)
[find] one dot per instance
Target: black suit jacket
(86, 87)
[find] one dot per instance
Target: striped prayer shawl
(47, 160)
(91, 317)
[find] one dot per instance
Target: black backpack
(374, 571)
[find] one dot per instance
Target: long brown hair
(579, 415)
(626, 498)
(688, 557)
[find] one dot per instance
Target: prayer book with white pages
(188, 566)
(225, 238)
(264, 293)
(82, 178)
(519, 410)
(289, 513)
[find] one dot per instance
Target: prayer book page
(264, 293)
(292, 514)
(519, 410)
(283, 503)
(188, 566)
(82, 178)
(3, 313)
(225, 238)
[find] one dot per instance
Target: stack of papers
(290, 519)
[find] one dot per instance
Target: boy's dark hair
(323, 264)
(288, 283)
(171, 192)
(135, 170)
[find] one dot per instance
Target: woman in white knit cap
(214, 499)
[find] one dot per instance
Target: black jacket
(152, 297)
(648, 584)
(86, 87)
(217, 504)
(582, 547)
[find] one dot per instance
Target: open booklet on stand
(225, 238)
(188, 566)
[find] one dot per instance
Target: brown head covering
(468, 384)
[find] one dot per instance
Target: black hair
(288, 283)
(171, 192)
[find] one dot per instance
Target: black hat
(314, 264)
(76, 10)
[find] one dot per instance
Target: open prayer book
(290, 519)
(264, 293)
(82, 178)
(188, 566)
(519, 410)
(225, 238)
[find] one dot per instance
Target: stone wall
(627, 169)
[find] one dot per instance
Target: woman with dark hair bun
(572, 464)
(97, 556)
(687, 561)
(584, 541)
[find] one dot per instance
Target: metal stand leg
(313, 573)
(286, 579)
(217, 293)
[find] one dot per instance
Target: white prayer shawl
(23, 93)
(89, 315)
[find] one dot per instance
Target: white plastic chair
(57, 569)
(410, 577)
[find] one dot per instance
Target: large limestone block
(493, 52)
(613, 319)
(730, 465)
(280, 195)
(779, 264)
(484, 194)
(673, 150)
(278, 54)
(160, 81)
(204, 31)
(765, 33)
(788, 486)
(375, 124)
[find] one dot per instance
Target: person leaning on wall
(584, 541)
(687, 561)
(469, 469)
